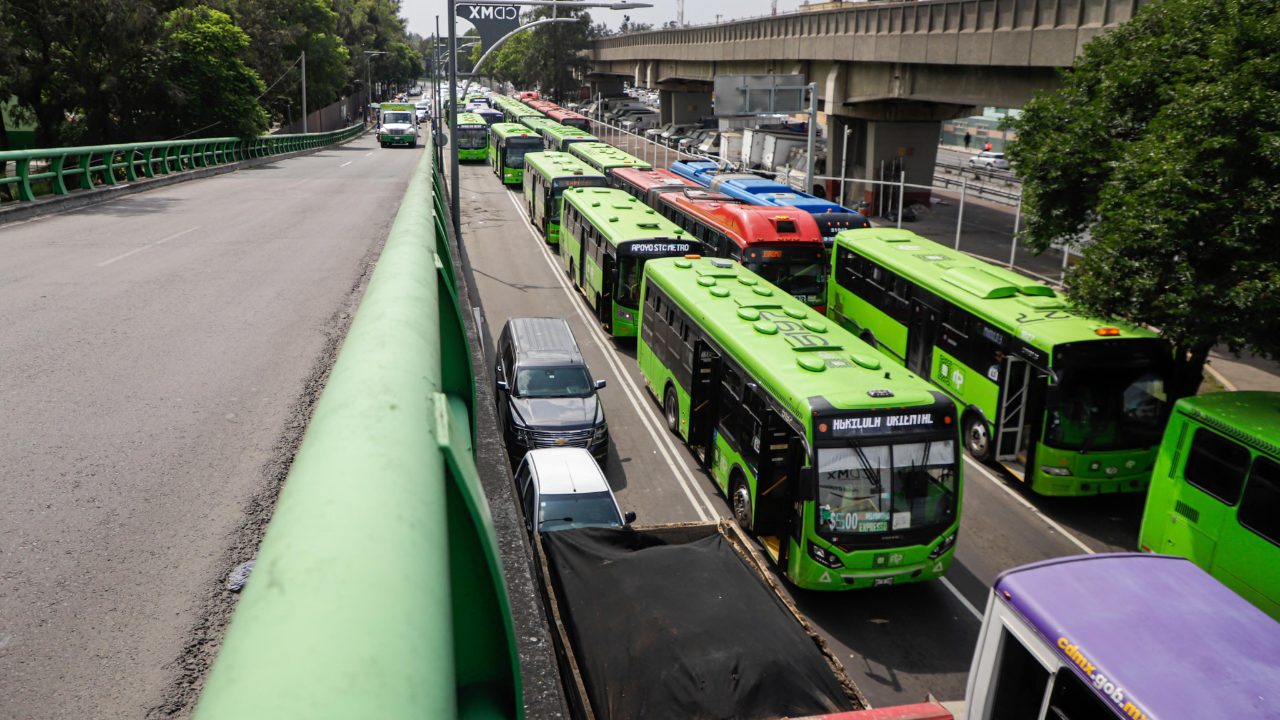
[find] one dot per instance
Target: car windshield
(396, 118)
(886, 488)
(562, 512)
(1107, 409)
(552, 382)
(805, 281)
(517, 147)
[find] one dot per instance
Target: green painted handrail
(378, 591)
(80, 165)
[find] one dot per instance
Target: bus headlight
(1056, 471)
(947, 543)
(824, 556)
(626, 314)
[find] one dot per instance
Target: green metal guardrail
(378, 591)
(106, 163)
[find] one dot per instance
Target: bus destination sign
(899, 422)
(655, 247)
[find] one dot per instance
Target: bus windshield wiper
(866, 468)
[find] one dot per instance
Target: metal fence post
(1013, 247)
(964, 187)
(902, 191)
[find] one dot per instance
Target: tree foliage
(555, 60)
(1164, 144)
(104, 71)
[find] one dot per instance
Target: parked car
(990, 160)
(546, 396)
(640, 121)
(690, 142)
(564, 488)
(653, 132)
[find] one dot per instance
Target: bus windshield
(472, 138)
(804, 280)
(630, 270)
(562, 512)
(517, 147)
(552, 382)
(886, 488)
(1106, 409)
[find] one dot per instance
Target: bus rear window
(1216, 465)
(786, 227)
(1260, 506)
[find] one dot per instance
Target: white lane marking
(105, 263)
(669, 453)
(963, 601)
(290, 187)
(368, 154)
(1036, 511)
(346, 163)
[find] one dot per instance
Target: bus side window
(1216, 465)
(1020, 682)
(729, 405)
(753, 424)
(1260, 504)
(954, 337)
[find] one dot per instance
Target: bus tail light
(1108, 331)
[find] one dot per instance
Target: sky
(421, 14)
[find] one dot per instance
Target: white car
(563, 488)
(989, 159)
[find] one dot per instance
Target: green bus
(1071, 405)
(546, 176)
(605, 157)
(536, 124)
(508, 143)
(848, 472)
(606, 237)
(473, 137)
(1215, 492)
(519, 111)
(559, 138)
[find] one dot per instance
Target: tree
(507, 64)
(1164, 144)
(209, 83)
(555, 59)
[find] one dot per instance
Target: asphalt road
(897, 642)
(158, 359)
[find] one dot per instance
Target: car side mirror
(629, 516)
(502, 384)
(600, 384)
(808, 484)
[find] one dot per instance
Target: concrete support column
(892, 147)
(686, 108)
(666, 106)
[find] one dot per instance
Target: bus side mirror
(807, 490)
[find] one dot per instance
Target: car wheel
(671, 409)
(740, 499)
(977, 439)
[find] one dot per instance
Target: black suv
(546, 397)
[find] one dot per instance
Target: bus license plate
(882, 581)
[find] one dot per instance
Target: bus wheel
(572, 276)
(977, 439)
(671, 408)
(740, 498)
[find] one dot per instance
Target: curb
(12, 212)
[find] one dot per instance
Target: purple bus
(1122, 636)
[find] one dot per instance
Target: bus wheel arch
(976, 433)
(740, 498)
(671, 407)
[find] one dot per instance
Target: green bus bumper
(512, 176)
(868, 568)
(625, 323)
(1097, 473)
(473, 154)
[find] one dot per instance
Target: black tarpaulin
(664, 631)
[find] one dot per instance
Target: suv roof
(564, 471)
(545, 340)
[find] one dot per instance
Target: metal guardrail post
(378, 590)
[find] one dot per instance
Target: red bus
(527, 95)
(542, 106)
(569, 118)
(644, 185)
(781, 244)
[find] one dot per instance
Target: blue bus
(753, 189)
(1125, 636)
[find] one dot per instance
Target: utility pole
(304, 92)
(455, 204)
(680, 13)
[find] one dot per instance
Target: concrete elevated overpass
(890, 72)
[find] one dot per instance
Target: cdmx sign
(490, 12)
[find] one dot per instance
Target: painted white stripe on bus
(1035, 510)
(669, 453)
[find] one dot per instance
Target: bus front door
(1011, 430)
(780, 457)
(920, 338)
(702, 393)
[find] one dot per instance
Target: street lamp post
(304, 92)
(368, 82)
